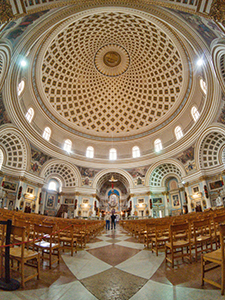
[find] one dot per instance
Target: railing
(8, 284)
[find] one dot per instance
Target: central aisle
(114, 266)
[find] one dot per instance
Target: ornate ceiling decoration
(112, 74)
(112, 60)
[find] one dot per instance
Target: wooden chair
(66, 238)
(24, 256)
(150, 233)
(179, 240)
(202, 237)
(47, 247)
(217, 220)
(160, 238)
(80, 234)
(217, 258)
(26, 225)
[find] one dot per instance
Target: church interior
(113, 107)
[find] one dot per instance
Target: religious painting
(138, 172)
(206, 28)
(113, 200)
(140, 201)
(38, 158)
(86, 181)
(221, 118)
(88, 172)
(23, 24)
(9, 186)
(190, 166)
(85, 201)
(157, 201)
(187, 155)
(195, 189)
(139, 181)
(176, 200)
(3, 114)
(50, 201)
(68, 201)
(215, 185)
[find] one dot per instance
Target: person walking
(107, 220)
(113, 221)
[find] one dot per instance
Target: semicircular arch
(16, 148)
(102, 173)
(68, 173)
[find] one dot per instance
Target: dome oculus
(112, 60)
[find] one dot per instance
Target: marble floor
(115, 266)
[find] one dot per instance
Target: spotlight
(23, 63)
(200, 62)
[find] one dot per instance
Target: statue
(219, 201)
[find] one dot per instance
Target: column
(188, 197)
(208, 202)
(165, 195)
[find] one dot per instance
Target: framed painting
(140, 201)
(176, 200)
(50, 201)
(195, 189)
(157, 201)
(215, 185)
(9, 186)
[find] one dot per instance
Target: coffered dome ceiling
(112, 74)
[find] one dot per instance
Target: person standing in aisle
(113, 221)
(107, 220)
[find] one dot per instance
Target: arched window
(195, 114)
(158, 145)
(55, 185)
(1, 158)
(47, 133)
(52, 185)
(90, 152)
(178, 132)
(67, 145)
(29, 114)
(20, 87)
(112, 154)
(203, 86)
(135, 152)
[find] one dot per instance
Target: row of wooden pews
(40, 238)
(196, 232)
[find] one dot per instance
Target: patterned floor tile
(143, 264)
(113, 254)
(113, 284)
(85, 265)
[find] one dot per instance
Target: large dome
(112, 73)
(112, 77)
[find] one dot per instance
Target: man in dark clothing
(113, 221)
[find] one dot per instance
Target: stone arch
(15, 147)
(157, 173)
(66, 172)
(209, 147)
(218, 57)
(5, 57)
(125, 174)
